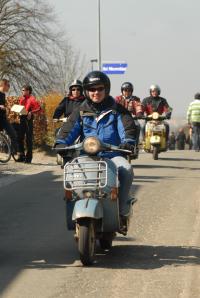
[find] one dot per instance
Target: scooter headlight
(91, 145)
(155, 116)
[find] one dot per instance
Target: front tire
(155, 153)
(5, 149)
(86, 241)
(106, 240)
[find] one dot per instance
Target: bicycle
(59, 159)
(6, 151)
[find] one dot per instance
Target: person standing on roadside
(193, 119)
(172, 141)
(4, 123)
(32, 106)
(181, 139)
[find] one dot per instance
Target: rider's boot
(124, 219)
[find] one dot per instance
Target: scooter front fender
(91, 208)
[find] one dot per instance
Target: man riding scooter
(156, 103)
(73, 99)
(100, 116)
(132, 103)
(69, 103)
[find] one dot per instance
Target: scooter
(59, 159)
(135, 153)
(155, 134)
(91, 193)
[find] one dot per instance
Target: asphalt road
(160, 257)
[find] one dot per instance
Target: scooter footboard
(91, 208)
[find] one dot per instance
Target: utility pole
(99, 34)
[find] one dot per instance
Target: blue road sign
(114, 67)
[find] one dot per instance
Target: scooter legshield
(91, 208)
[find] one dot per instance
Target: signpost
(114, 67)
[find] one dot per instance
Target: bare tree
(30, 50)
(70, 65)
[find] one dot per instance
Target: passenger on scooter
(99, 115)
(132, 103)
(156, 103)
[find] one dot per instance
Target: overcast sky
(159, 39)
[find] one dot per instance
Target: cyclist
(4, 123)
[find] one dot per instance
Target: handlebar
(64, 119)
(104, 147)
(150, 117)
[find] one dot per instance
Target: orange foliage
(51, 101)
(10, 101)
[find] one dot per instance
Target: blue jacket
(108, 121)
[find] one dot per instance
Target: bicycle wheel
(13, 153)
(5, 149)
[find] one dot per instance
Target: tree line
(33, 50)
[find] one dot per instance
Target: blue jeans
(196, 135)
(125, 179)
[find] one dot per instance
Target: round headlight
(155, 115)
(91, 145)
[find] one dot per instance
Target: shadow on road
(159, 166)
(178, 159)
(146, 257)
(44, 164)
(33, 231)
(150, 179)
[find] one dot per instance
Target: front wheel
(5, 149)
(86, 241)
(155, 153)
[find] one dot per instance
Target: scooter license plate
(155, 140)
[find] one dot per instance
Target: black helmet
(96, 78)
(197, 96)
(76, 83)
(127, 85)
(155, 87)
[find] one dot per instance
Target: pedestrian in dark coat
(181, 139)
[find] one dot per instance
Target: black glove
(56, 145)
(59, 147)
(127, 146)
(168, 115)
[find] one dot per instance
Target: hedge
(44, 127)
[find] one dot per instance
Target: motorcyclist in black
(71, 101)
